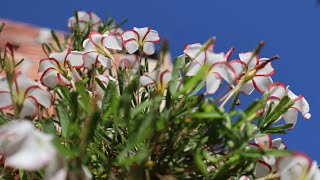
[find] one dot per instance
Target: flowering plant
(101, 110)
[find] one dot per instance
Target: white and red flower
(266, 164)
(140, 38)
(27, 96)
(99, 91)
(160, 79)
(297, 166)
(97, 49)
(86, 19)
(258, 70)
(130, 62)
(56, 69)
(24, 146)
(219, 69)
(277, 91)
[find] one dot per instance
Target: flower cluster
(76, 82)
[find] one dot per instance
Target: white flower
(99, 92)
(277, 91)
(56, 69)
(57, 170)
(256, 68)
(219, 69)
(97, 46)
(130, 62)
(297, 166)
(266, 164)
(24, 146)
(27, 96)
(85, 19)
(140, 38)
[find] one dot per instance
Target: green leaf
(278, 111)
(85, 99)
(64, 119)
(198, 159)
(191, 83)
(175, 75)
(207, 115)
(55, 38)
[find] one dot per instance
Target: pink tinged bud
(260, 112)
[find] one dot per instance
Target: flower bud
(9, 63)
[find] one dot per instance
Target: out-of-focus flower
(244, 178)
(99, 91)
(58, 68)
(297, 166)
(258, 72)
(97, 46)
(86, 19)
(27, 96)
(266, 164)
(57, 170)
(160, 79)
(219, 69)
(140, 38)
(130, 62)
(277, 91)
(24, 146)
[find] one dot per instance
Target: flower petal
(30, 108)
(30, 150)
(193, 51)
(224, 70)
(43, 97)
(111, 41)
(22, 83)
(266, 70)
(5, 100)
(49, 78)
(146, 80)
(48, 63)
(142, 32)
(247, 88)
(96, 39)
(213, 82)
(262, 169)
(239, 67)
(292, 167)
(301, 104)
(152, 36)
(165, 78)
(277, 89)
(193, 68)
(90, 58)
(105, 62)
(246, 58)
(264, 140)
(60, 56)
(212, 57)
(131, 46)
(75, 58)
(261, 83)
(148, 48)
(291, 116)
(129, 35)
(278, 144)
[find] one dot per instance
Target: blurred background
(290, 28)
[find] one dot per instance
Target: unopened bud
(260, 112)
(9, 63)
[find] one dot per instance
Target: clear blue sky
(290, 28)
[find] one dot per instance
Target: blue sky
(290, 28)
